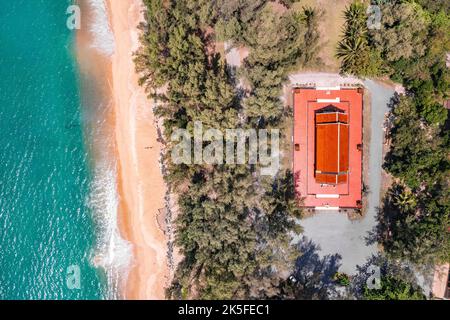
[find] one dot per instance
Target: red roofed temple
(328, 147)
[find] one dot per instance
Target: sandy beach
(141, 185)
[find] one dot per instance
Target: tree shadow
(387, 216)
(390, 130)
(380, 265)
(360, 279)
(374, 235)
(312, 278)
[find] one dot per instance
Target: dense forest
(410, 47)
(235, 226)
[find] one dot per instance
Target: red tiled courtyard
(328, 147)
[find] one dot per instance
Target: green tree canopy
(394, 289)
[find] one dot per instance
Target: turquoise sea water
(45, 223)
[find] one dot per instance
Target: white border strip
(328, 100)
(329, 88)
(327, 208)
(327, 196)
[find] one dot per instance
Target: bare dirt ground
(278, 7)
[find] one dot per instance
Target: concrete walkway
(333, 232)
(322, 79)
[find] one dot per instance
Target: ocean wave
(102, 35)
(112, 252)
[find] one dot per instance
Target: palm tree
(349, 50)
(353, 48)
(403, 198)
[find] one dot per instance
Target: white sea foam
(112, 252)
(100, 29)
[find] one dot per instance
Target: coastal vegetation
(234, 225)
(409, 46)
(383, 278)
(356, 54)
(394, 289)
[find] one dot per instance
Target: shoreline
(132, 249)
(112, 253)
(141, 185)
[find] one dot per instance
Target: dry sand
(141, 184)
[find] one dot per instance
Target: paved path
(333, 231)
(380, 98)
